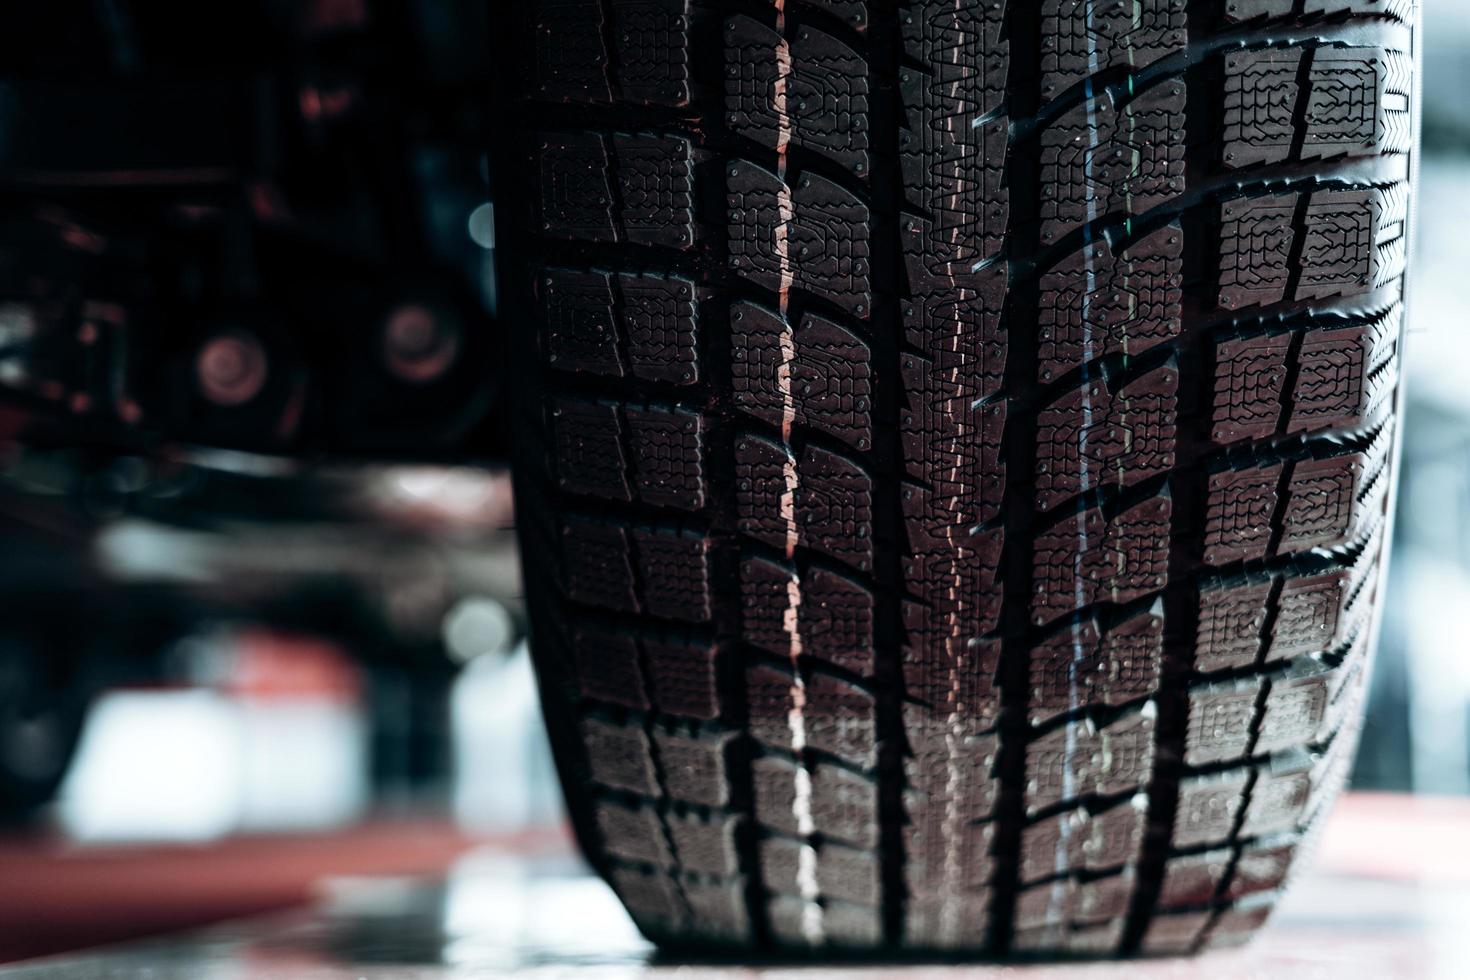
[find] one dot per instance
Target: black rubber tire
(954, 452)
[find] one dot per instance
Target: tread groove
(1023, 98)
(886, 118)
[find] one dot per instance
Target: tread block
(651, 897)
(955, 600)
(1239, 512)
(829, 500)
(1085, 940)
(619, 757)
(823, 102)
(849, 875)
(1115, 835)
(668, 455)
(1352, 242)
(577, 314)
(852, 926)
(843, 873)
(1256, 243)
(633, 833)
(1078, 759)
(597, 565)
(652, 51)
(662, 906)
(824, 372)
(1357, 104)
(842, 925)
(608, 668)
(951, 788)
(1077, 840)
(655, 176)
(953, 922)
(1230, 622)
(694, 767)
(1311, 617)
(719, 910)
(673, 569)
(844, 804)
(853, 12)
(1297, 710)
(1343, 382)
(665, 452)
(767, 481)
(1249, 376)
(1100, 159)
(952, 443)
(1220, 720)
(1320, 506)
(1279, 801)
(1095, 436)
(954, 322)
(682, 678)
(1340, 383)
(1208, 807)
(837, 717)
(570, 60)
(834, 619)
(705, 845)
(583, 329)
(947, 858)
(1068, 901)
(575, 197)
(1094, 303)
(948, 674)
(1081, 37)
(1301, 708)
(952, 169)
(1088, 559)
(1236, 924)
(588, 441)
(672, 573)
(821, 249)
(669, 675)
(1174, 934)
(948, 766)
(660, 327)
(1191, 880)
(1085, 666)
(1259, 869)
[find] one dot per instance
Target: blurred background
(202, 644)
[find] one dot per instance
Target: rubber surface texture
(954, 450)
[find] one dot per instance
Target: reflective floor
(1389, 897)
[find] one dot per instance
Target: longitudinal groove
(1253, 776)
(705, 50)
(665, 797)
(1188, 487)
(885, 118)
(1022, 28)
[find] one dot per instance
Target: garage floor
(1389, 897)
